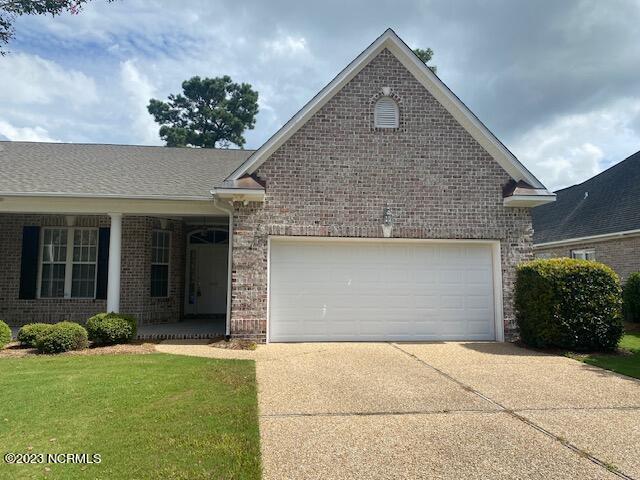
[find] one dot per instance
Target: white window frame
(68, 269)
(583, 253)
(167, 263)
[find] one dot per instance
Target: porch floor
(187, 329)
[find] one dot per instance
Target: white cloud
(30, 79)
(139, 90)
(285, 45)
(24, 134)
(573, 148)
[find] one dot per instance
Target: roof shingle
(606, 203)
(125, 170)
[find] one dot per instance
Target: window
(68, 259)
(160, 254)
(584, 254)
(386, 113)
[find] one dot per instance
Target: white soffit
(426, 77)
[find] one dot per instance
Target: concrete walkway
(442, 411)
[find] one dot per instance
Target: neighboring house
(383, 210)
(596, 220)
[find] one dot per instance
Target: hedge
(112, 328)
(28, 335)
(62, 337)
(568, 303)
(5, 334)
(631, 298)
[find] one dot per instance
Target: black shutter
(103, 263)
(29, 262)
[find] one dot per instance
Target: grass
(626, 361)
(148, 416)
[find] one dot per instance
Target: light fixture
(386, 91)
(387, 221)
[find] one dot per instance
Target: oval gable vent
(386, 113)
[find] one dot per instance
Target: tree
(425, 56)
(10, 9)
(213, 112)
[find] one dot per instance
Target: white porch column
(115, 248)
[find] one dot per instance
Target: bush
(631, 298)
(5, 334)
(28, 335)
(566, 303)
(62, 337)
(112, 328)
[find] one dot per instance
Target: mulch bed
(15, 350)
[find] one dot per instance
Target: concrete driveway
(442, 410)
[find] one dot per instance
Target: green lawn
(626, 362)
(148, 416)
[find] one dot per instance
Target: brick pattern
(135, 275)
(334, 176)
(623, 255)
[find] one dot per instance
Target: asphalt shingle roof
(127, 170)
(606, 203)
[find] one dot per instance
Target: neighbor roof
(114, 170)
(606, 203)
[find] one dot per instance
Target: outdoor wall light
(387, 221)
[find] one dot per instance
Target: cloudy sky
(557, 81)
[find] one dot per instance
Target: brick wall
(135, 274)
(623, 254)
(334, 176)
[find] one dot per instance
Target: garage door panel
(359, 290)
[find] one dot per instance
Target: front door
(206, 285)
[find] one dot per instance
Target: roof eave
(528, 201)
(239, 194)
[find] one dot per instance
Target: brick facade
(334, 176)
(135, 274)
(623, 254)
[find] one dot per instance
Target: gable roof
(126, 171)
(427, 78)
(604, 204)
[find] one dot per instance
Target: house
(598, 219)
(383, 210)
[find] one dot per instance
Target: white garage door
(357, 290)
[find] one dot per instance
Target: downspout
(229, 212)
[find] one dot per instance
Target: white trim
(115, 262)
(426, 77)
(105, 195)
(496, 265)
(528, 200)
(229, 211)
(240, 194)
(102, 206)
(592, 238)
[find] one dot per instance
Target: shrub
(62, 337)
(566, 303)
(5, 334)
(112, 328)
(631, 298)
(28, 335)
